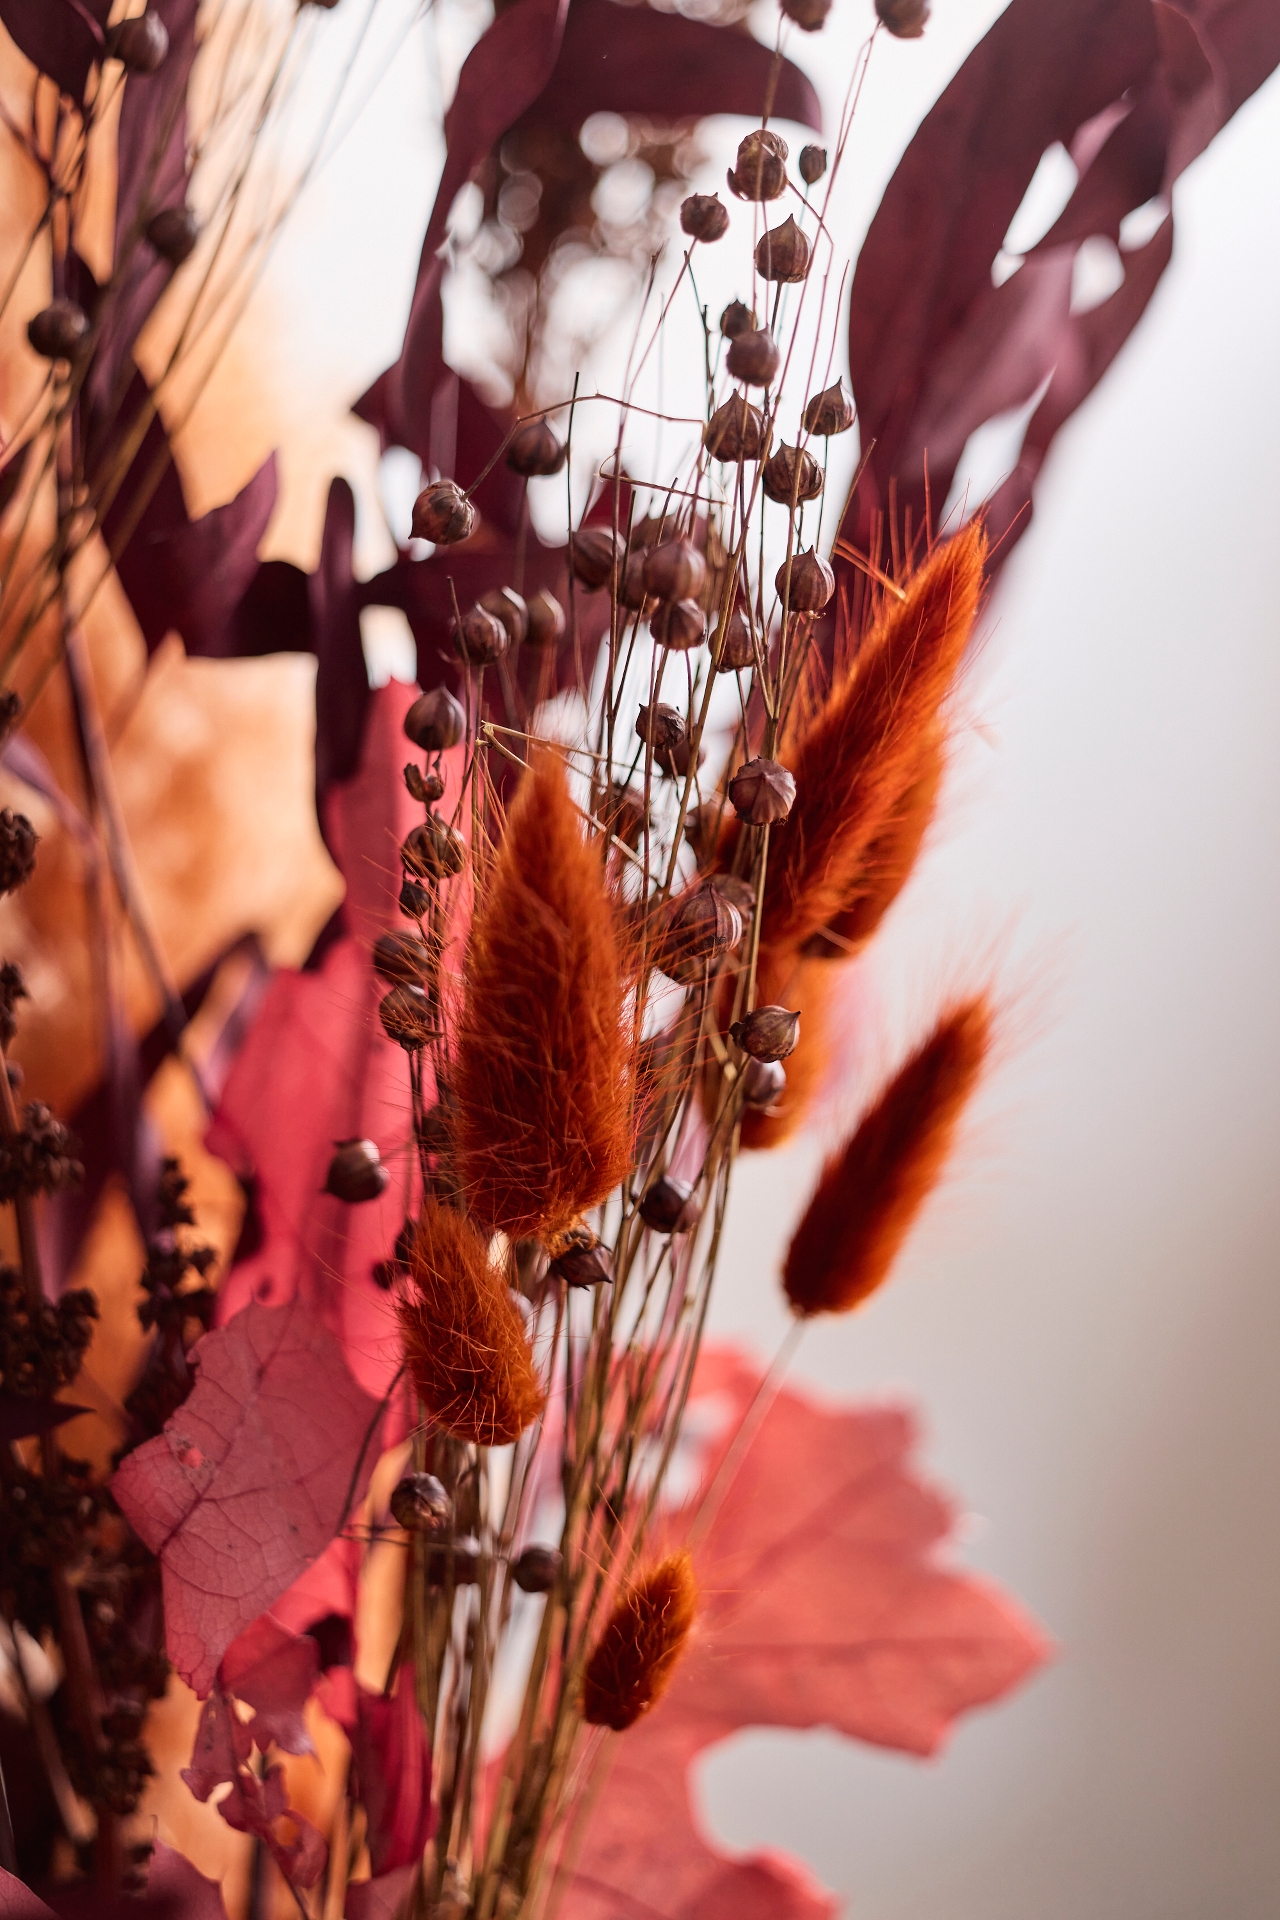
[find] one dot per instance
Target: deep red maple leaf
(824, 1604)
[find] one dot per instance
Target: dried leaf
(64, 38)
(273, 1670)
(391, 1773)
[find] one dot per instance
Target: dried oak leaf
(250, 1479)
(824, 1604)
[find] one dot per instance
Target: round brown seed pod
(661, 727)
(173, 232)
(356, 1172)
(424, 787)
(675, 571)
(678, 625)
(442, 513)
(701, 926)
(812, 582)
(478, 638)
(737, 651)
(595, 554)
(736, 319)
(809, 15)
(669, 1207)
(740, 894)
(904, 19)
(536, 1570)
(509, 610)
(783, 253)
(420, 1504)
(828, 412)
(435, 721)
(18, 842)
(405, 1014)
(535, 449)
(434, 850)
(813, 164)
(704, 217)
(753, 356)
(770, 1033)
(735, 431)
(546, 620)
(763, 1082)
(415, 901)
(762, 793)
(585, 1262)
(140, 44)
(622, 813)
(791, 475)
(58, 330)
(401, 956)
(760, 169)
(632, 592)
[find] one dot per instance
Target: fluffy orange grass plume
(544, 1075)
(873, 1188)
(635, 1658)
(464, 1341)
(860, 753)
(888, 862)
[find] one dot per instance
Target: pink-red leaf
(273, 1671)
(391, 1773)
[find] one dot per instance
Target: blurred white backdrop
(1090, 1316)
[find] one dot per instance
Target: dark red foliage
(391, 1773)
(64, 38)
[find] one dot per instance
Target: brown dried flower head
(760, 170)
(783, 253)
(434, 850)
(668, 1206)
(663, 729)
(595, 556)
(735, 431)
(813, 164)
(872, 1189)
(675, 571)
(40, 1158)
(636, 1654)
(811, 582)
(704, 217)
(701, 927)
(737, 650)
(435, 721)
(828, 412)
(464, 1341)
(546, 620)
(401, 956)
(58, 331)
(426, 787)
(769, 1033)
(478, 638)
(509, 610)
(621, 811)
(678, 625)
(140, 44)
(18, 843)
(584, 1260)
(421, 1504)
(632, 592)
(791, 475)
(536, 1570)
(407, 1017)
(762, 792)
(904, 19)
(174, 233)
(534, 449)
(736, 318)
(443, 514)
(356, 1172)
(753, 356)
(809, 16)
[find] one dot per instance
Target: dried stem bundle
(872, 1189)
(636, 1655)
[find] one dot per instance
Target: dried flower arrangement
(394, 1484)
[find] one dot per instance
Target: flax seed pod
(632, 591)
(174, 232)
(812, 582)
(737, 318)
(762, 792)
(813, 164)
(782, 253)
(58, 330)
(442, 514)
(675, 571)
(356, 1172)
(401, 956)
(478, 638)
(435, 721)
(702, 926)
(791, 474)
(809, 15)
(704, 217)
(753, 357)
(735, 431)
(904, 19)
(546, 620)
(140, 44)
(635, 1657)
(595, 556)
(770, 1033)
(678, 625)
(434, 850)
(534, 449)
(509, 610)
(760, 170)
(828, 412)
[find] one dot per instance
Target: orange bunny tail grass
(544, 1075)
(464, 1341)
(888, 863)
(809, 991)
(632, 1665)
(861, 753)
(871, 1191)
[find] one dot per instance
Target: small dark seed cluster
(18, 840)
(41, 1347)
(40, 1158)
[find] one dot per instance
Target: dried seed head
(669, 1207)
(737, 651)
(509, 610)
(173, 232)
(535, 449)
(813, 164)
(904, 19)
(678, 625)
(735, 431)
(401, 956)
(442, 513)
(585, 1262)
(140, 44)
(791, 474)
(770, 1033)
(455, 1565)
(434, 850)
(424, 787)
(435, 721)
(356, 1172)
(636, 1655)
(760, 170)
(420, 1504)
(808, 15)
(632, 592)
(12, 989)
(783, 252)
(763, 1082)
(740, 894)
(58, 330)
(753, 356)
(705, 217)
(18, 842)
(736, 319)
(621, 811)
(595, 555)
(675, 571)
(701, 927)
(40, 1157)
(414, 900)
(762, 792)
(478, 638)
(546, 620)
(812, 582)
(536, 1570)
(406, 1018)
(828, 412)
(662, 728)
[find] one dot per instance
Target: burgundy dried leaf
(64, 38)
(249, 1480)
(380, 1899)
(171, 1878)
(17, 1902)
(273, 1671)
(391, 1773)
